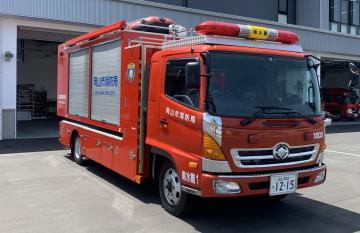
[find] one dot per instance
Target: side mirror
(354, 83)
(327, 122)
(312, 64)
(192, 75)
(354, 69)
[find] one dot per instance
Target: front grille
(274, 161)
(270, 151)
(249, 158)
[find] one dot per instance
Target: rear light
(211, 149)
(246, 31)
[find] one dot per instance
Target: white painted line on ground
(344, 153)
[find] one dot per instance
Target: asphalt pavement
(43, 190)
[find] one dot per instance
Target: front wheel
(173, 199)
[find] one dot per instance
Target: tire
(76, 150)
(338, 116)
(173, 199)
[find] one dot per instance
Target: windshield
(342, 99)
(239, 83)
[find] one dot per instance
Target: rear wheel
(173, 199)
(76, 150)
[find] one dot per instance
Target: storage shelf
(31, 100)
(25, 99)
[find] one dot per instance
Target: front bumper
(257, 184)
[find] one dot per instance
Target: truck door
(180, 116)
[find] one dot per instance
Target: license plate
(283, 184)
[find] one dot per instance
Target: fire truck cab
(232, 111)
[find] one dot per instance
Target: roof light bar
(151, 24)
(246, 31)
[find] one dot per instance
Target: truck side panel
(104, 148)
(112, 145)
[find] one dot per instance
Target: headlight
(226, 187)
(320, 177)
(350, 111)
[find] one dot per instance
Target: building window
(345, 16)
(282, 18)
(334, 27)
(344, 28)
(283, 11)
(287, 11)
(354, 13)
(353, 30)
(335, 11)
(344, 11)
(283, 6)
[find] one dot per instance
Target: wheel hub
(172, 187)
(169, 186)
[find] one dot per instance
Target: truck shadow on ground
(333, 129)
(293, 214)
(29, 145)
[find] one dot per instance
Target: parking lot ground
(42, 190)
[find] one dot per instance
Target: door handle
(163, 123)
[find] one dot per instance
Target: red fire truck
(230, 111)
(341, 102)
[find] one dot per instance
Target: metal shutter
(78, 83)
(105, 95)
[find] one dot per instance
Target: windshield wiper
(262, 110)
(311, 120)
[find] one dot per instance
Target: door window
(175, 83)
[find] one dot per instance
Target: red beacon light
(246, 32)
